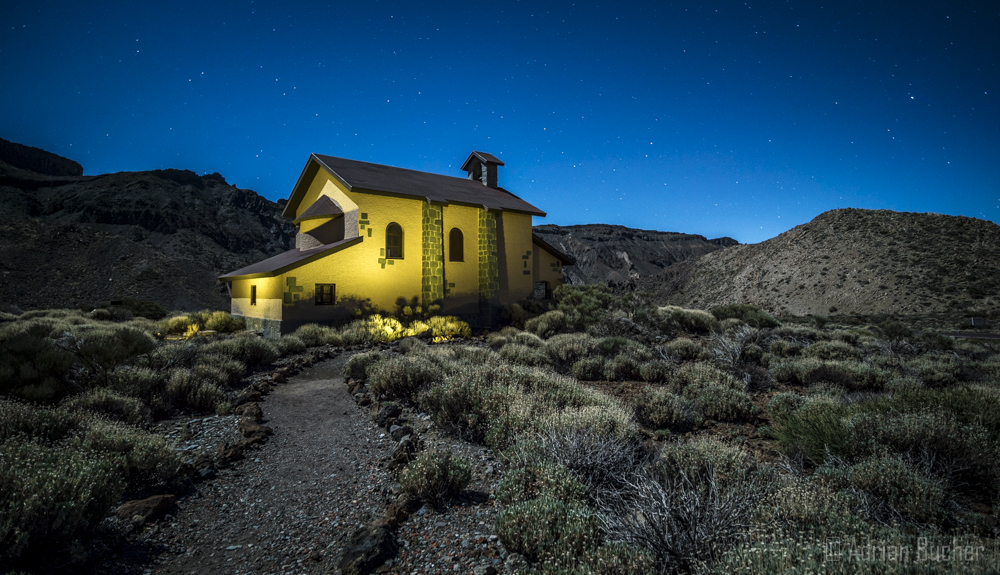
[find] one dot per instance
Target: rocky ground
(321, 487)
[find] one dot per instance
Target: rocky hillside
(615, 253)
(165, 235)
(852, 261)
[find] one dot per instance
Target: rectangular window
(253, 295)
(326, 294)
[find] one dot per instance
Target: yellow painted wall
(326, 185)
(312, 224)
(518, 248)
(268, 298)
(465, 274)
(549, 268)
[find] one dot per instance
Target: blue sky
(716, 118)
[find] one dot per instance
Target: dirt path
(290, 506)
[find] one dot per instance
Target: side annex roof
(285, 261)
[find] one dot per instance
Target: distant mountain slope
(162, 235)
(37, 160)
(616, 253)
(851, 261)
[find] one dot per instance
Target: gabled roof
(557, 253)
(368, 177)
(324, 207)
(285, 261)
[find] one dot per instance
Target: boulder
(397, 432)
(250, 428)
(368, 549)
(390, 410)
(246, 396)
(149, 509)
(251, 410)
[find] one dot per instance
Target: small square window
(326, 294)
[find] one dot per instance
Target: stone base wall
(269, 328)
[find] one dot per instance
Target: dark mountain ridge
(163, 235)
(606, 252)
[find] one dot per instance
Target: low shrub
(568, 348)
(704, 374)
(31, 364)
(815, 430)
(656, 371)
(448, 327)
(220, 369)
(850, 375)
(540, 480)
(683, 349)
(313, 335)
(223, 322)
(785, 348)
(402, 377)
(622, 367)
(722, 403)
(549, 530)
(583, 305)
(143, 383)
(251, 350)
(141, 458)
(105, 401)
(51, 494)
(748, 314)
(589, 369)
(357, 367)
(524, 355)
(435, 477)
(186, 388)
(547, 324)
(831, 350)
(695, 457)
(43, 424)
(893, 490)
(784, 404)
(413, 345)
(674, 319)
(660, 409)
(288, 345)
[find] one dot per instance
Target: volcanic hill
(163, 235)
(615, 253)
(851, 261)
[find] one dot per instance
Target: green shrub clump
(683, 349)
(435, 477)
(589, 369)
(748, 314)
(547, 324)
(524, 355)
(403, 377)
(721, 402)
(549, 530)
(673, 319)
(251, 350)
(357, 366)
(105, 401)
(540, 480)
(660, 409)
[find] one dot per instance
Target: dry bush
(435, 477)
(549, 531)
(682, 349)
(568, 348)
(660, 409)
(524, 355)
(547, 324)
(673, 319)
(540, 480)
(105, 401)
(831, 350)
(589, 369)
(403, 377)
(657, 371)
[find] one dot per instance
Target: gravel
(291, 505)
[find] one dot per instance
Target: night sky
(741, 119)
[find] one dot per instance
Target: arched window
(456, 246)
(394, 242)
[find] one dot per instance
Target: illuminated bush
(223, 322)
(448, 327)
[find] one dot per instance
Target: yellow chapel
(388, 237)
